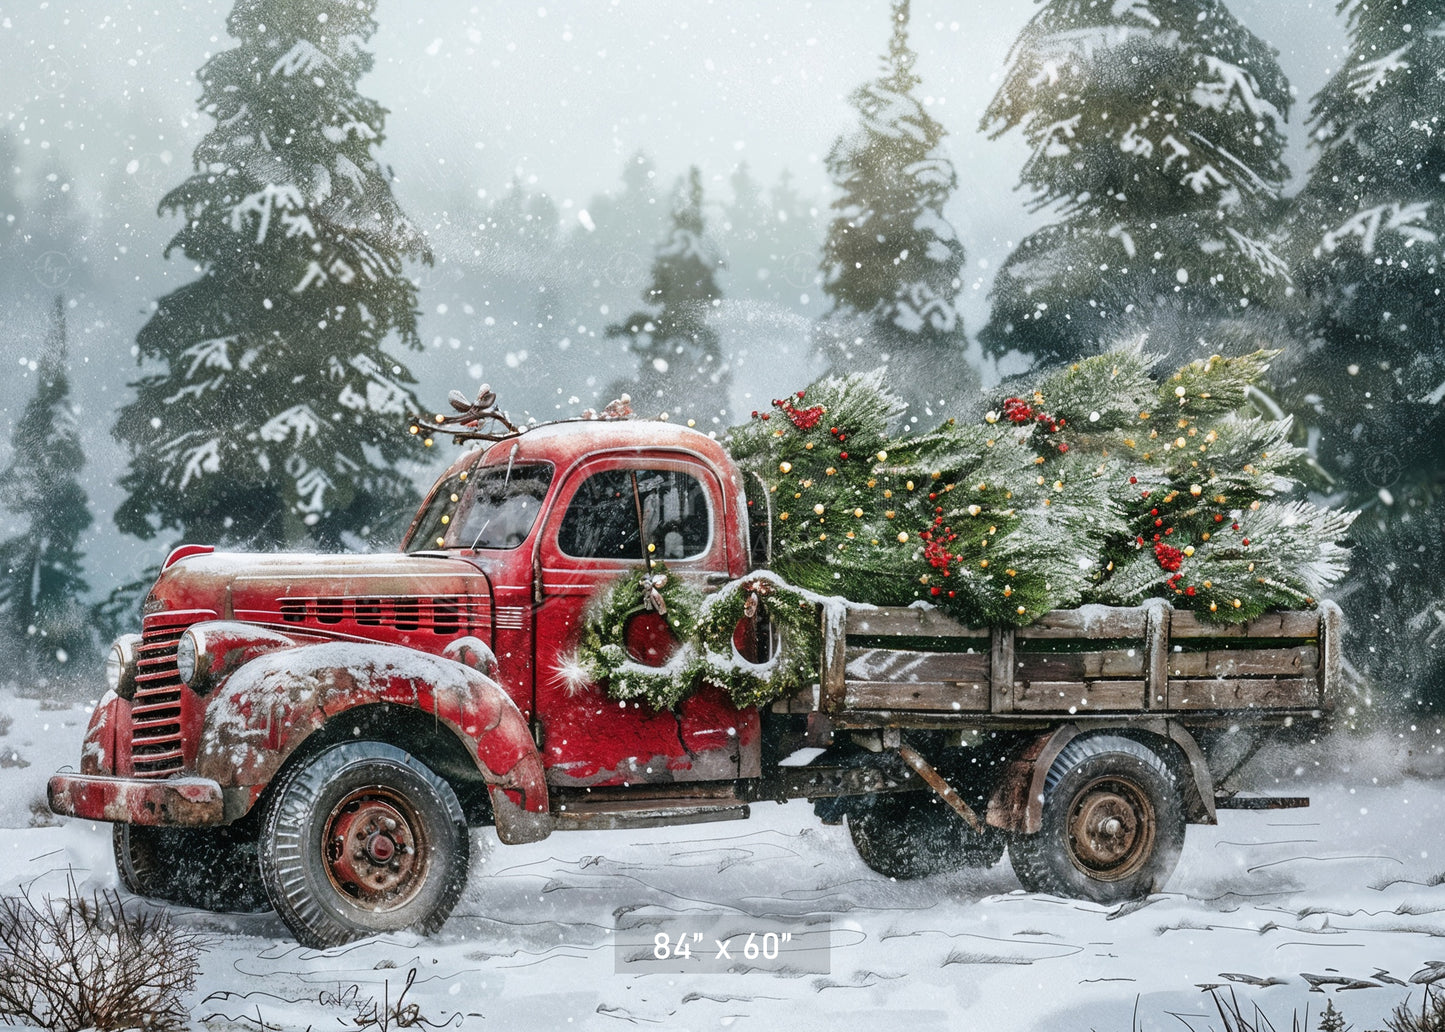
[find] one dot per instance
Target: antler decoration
(471, 418)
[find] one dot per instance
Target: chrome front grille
(155, 712)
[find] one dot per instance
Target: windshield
(484, 507)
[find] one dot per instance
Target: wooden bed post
(1001, 671)
(1156, 653)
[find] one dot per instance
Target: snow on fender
(263, 712)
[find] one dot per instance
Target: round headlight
(120, 665)
(187, 651)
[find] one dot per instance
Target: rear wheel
(907, 835)
(363, 838)
(1113, 824)
(206, 868)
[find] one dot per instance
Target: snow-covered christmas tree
(1155, 131)
(44, 624)
(1204, 482)
(1107, 483)
(273, 416)
(1367, 245)
(892, 264)
(681, 366)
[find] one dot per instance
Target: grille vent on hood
(447, 615)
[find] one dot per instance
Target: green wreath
(601, 656)
(794, 618)
(705, 628)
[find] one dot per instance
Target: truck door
(598, 530)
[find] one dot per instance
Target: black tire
(1113, 824)
(207, 868)
(361, 839)
(908, 835)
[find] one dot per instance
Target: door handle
(717, 578)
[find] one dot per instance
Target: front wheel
(363, 838)
(1113, 824)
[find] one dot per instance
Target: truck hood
(421, 601)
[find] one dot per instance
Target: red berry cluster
(1018, 411)
(803, 419)
(1170, 559)
(937, 538)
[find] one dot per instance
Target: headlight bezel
(193, 661)
(120, 665)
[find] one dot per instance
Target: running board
(1260, 802)
(611, 814)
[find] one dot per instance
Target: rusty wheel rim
(376, 848)
(1111, 827)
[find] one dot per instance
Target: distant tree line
(271, 385)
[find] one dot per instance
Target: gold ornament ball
(903, 537)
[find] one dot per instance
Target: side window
(601, 521)
(674, 513)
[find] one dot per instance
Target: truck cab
(250, 668)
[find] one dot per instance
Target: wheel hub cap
(372, 851)
(1111, 830)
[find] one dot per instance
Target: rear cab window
(616, 513)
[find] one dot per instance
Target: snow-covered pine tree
(44, 626)
(1367, 242)
(275, 416)
(681, 367)
(892, 264)
(1155, 131)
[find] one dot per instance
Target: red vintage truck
(318, 733)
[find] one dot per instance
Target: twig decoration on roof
(471, 421)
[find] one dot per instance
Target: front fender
(260, 715)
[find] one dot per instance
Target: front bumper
(184, 802)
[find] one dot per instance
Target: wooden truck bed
(916, 667)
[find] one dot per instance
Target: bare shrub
(1429, 1018)
(79, 963)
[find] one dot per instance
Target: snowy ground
(1346, 893)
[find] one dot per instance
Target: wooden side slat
(1078, 666)
(1294, 623)
(1092, 621)
(898, 620)
(1079, 696)
(942, 697)
(1243, 693)
(901, 666)
(1298, 662)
